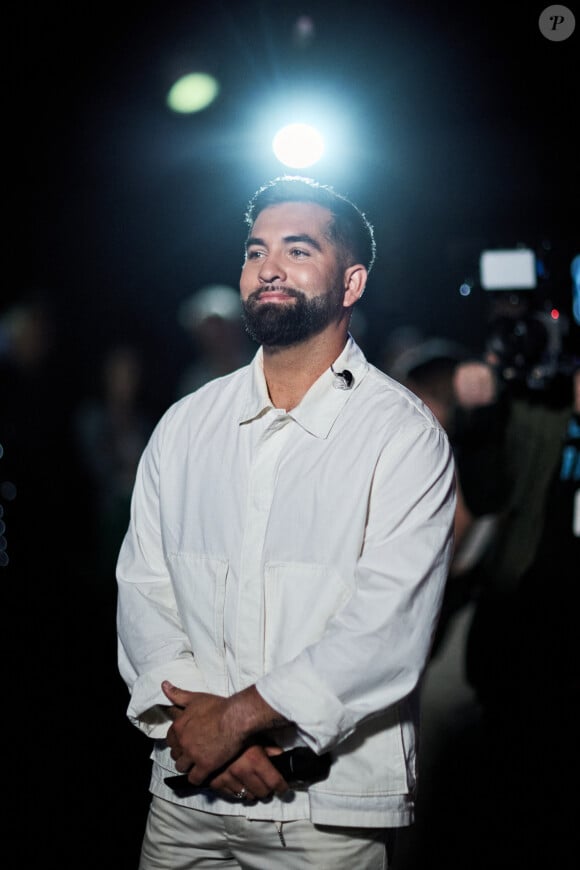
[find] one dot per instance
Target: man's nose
(271, 270)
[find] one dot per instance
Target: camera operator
(522, 653)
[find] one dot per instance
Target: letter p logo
(557, 23)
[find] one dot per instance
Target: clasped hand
(204, 740)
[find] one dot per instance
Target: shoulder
(390, 403)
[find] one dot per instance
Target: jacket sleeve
(152, 645)
(375, 649)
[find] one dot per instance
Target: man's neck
(291, 371)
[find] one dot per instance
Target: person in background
(42, 486)
(212, 318)
(464, 395)
(112, 428)
(283, 570)
(426, 367)
(43, 545)
(522, 656)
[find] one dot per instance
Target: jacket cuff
(298, 694)
(147, 707)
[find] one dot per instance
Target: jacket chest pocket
(200, 589)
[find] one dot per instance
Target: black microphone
(299, 767)
(344, 381)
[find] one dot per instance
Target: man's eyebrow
(254, 240)
(303, 238)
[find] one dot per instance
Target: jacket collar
(322, 404)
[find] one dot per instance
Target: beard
(275, 324)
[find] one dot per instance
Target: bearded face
(284, 324)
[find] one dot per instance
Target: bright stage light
(298, 145)
(192, 93)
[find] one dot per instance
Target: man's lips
(274, 295)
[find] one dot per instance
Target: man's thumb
(170, 690)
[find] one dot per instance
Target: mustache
(275, 288)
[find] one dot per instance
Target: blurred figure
(212, 317)
(112, 429)
(396, 342)
(463, 398)
(523, 655)
(427, 368)
(39, 480)
(517, 450)
(43, 507)
(112, 424)
(537, 379)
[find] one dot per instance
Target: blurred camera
(526, 333)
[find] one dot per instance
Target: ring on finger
(241, 793)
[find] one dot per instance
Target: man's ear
(355, 280)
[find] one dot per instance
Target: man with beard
(282, 574)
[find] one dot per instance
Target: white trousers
(179, 838)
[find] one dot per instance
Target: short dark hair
(349, 229)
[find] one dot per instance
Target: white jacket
(305, 552)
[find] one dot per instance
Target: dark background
(457, 132)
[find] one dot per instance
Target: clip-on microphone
(344, 379)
